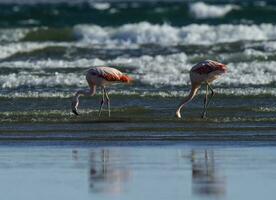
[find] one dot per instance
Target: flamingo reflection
(206, 178)
(106, 175)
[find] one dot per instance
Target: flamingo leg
(212, 94)
(108, 101)
(206, 102)
(102, 102)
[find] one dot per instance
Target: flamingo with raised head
(204, 72)
(99, 76)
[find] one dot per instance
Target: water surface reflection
(206, 175)
(106, 171)
(172, 172)
(110, 173)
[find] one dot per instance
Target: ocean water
(47, 46)
(142, 151)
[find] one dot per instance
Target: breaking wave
(202, 10)
(158, 71)
(145, 33)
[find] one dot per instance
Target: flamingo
(204, 72)
(99, 76)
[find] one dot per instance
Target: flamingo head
(74, 105)
(222, 68)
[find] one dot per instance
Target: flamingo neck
(90, 92)
(78, 94)
(189, 97)
(76, 97)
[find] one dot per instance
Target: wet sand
(137, 170)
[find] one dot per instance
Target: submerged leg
(206, 103)
(102, 102)
(75, 100)
(212, 94)
(108, 101)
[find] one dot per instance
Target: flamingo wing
(110, 74)
(208, 66)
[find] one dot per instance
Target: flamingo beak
(74, 106)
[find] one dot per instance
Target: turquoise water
(137, 171)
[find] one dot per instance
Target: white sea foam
(130, 34)
(247, 55)
(11, 35)
(101, 6)
(22, 47)
(202, 10)
(14, 80)
(145, 33)
(267, 46)
(248, 91)
(170, 70)
(56, 64)
(164, 70)
(173, 70)
(10, 49)
(250, 73)
(133, 35)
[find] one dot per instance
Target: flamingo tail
(126, 79)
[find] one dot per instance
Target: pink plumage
(204, 72)
(208, 66)
(108, 74)
(100, 77)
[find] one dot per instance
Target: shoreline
(140, 137)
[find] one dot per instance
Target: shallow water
(139, 118)
(137, 170)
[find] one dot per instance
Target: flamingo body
(99, 77)
(103, 76)
(204, 72)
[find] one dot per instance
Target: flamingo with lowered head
(204, 72)
(99, 76)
